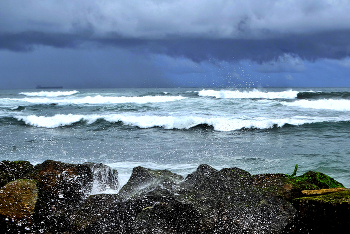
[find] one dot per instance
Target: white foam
(52, 121)
(327, 104)
(289, 94)
(49, 93)
(104, 100)
(171, 122)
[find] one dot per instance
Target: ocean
(265, 130)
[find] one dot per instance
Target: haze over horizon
(174, 43)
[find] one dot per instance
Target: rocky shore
(55, 197)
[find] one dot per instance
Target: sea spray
(105, 179)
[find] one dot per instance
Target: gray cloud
(199, 30)
(285, 63)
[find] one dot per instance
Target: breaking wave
(171, 122)
(49, 93)
(289, 94)
(94, 100)
(325, 104)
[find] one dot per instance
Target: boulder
(17, 203)
(322, 203)
(117, 212)
(62, 188)
(291, 187)
(144, 179)
(207, 201)
(13, 170)
(229, 203)
(53, 197)
(326, 213)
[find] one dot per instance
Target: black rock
(62, 189)
(13, 170)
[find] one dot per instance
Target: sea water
(258, 130)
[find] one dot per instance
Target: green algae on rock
(331, 198)
(290, 187)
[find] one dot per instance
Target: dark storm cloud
(332, 44)
(198, 30)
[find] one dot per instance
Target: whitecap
(49, 93)
(55, 121)
(99, 100)
(327, 104)
(171, 122)
(289, 94)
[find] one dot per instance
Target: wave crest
(49, 93)
(98, 100)
(325, 104)
(289, 94)
(169, 122)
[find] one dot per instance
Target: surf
(254, 94)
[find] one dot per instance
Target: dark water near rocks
(258, 130)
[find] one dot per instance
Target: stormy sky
(174, 43)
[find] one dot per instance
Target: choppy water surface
(259, 130)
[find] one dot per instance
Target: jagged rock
(62, 188)
(207, 201)
(104, 177)
(17, 202)
(229, 203)
(116, 213)
(13, 170)
(144, 179)
(230, 200)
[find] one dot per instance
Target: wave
(325, 104)
(99, 100)
(49, 93)
(171, 122)
(289, 94)
(323, 95)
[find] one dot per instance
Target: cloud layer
(260, 31)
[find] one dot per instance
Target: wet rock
(17, 203)
(291, 187)
(13, 170)
(328, 213)
(104, 177)
(62, 188)
(144, 179)
(207, 201)
(117, 213)
(95, 214)
(229, 203)
(318, 198)
(52, 198)
(164, 213)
